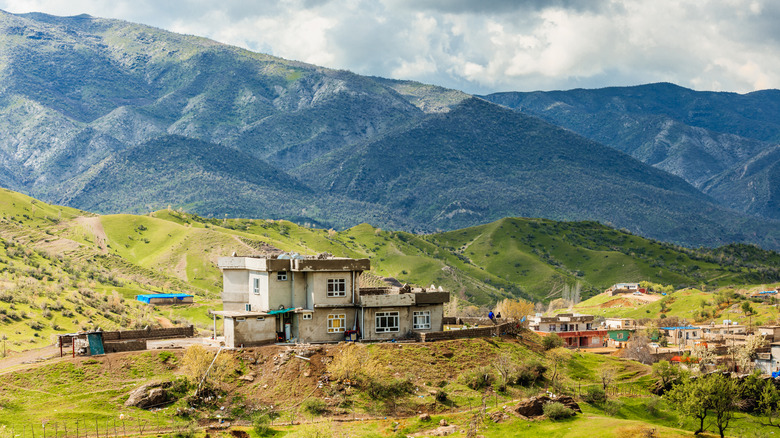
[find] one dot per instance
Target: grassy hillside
(65, 270)
(691, 305)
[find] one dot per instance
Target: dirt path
(30, 356)
(164, 322)
(95, 227)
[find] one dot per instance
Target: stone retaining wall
(119, 346)
(480, 332)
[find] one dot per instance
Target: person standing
(490, 315)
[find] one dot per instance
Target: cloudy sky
(482, 46)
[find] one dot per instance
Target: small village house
(294, 298)
(575, 329)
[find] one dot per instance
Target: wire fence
(97, 428)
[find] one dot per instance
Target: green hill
(67, 270)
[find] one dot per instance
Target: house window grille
(337, 322)
(422, 320)
(281, 276)
(337, 287)
(386, 322)
(256, 286)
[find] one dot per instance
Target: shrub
(529, 373)
(557, 411)
(552, 341)
(478, 378)
(612, 407)
(441, 396)
(595, 395)
(379, 389)
(314, 406)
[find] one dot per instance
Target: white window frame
(337, 287)
(256, 285)
(421, 320)
(306, 316)
(384, 322)
(281, 276)
(342, 317)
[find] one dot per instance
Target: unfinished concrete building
(294, 298)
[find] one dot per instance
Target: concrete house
(575, 329)
(294, 298)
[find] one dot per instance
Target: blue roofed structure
(165, 298)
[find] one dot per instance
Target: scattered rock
(149, 395)
(248, 377)
(498, 416)
(425, 417)
(443, 422)
(533, 407)
(442, 431)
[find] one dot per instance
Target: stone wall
(480, 332)
(129, 345)
(162, 333)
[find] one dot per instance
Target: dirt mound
(618, 302)
(534, 406)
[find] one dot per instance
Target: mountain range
(111, 116)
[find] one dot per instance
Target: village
(292, 299)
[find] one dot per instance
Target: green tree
(691, 399)
(747, 308)
(769, 403)
(665, 372)
(722, 395)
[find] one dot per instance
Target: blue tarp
(276, 312)
(146, 298)
(775, 374)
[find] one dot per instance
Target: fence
(104, 428)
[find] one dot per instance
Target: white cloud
(486, 46)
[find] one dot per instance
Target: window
(552, 327)
(256, 286)
(386, 322)
(248, 307)
(422, 320)
(337, 322)
(281, 276)
(306, 316)
(337, 287)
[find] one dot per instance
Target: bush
(552, 341)
(379, 389)
(557, 411)
(612, 407)
(478, 378)
(314, 406)
(595, 395)
(441, 396)
(529, 373)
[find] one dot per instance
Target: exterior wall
(186, 300)
(316, 329)
(318, 282)
(258, 301)
(235, 289)
(250, 331)
(405, 321)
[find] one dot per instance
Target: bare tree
(639, 349)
